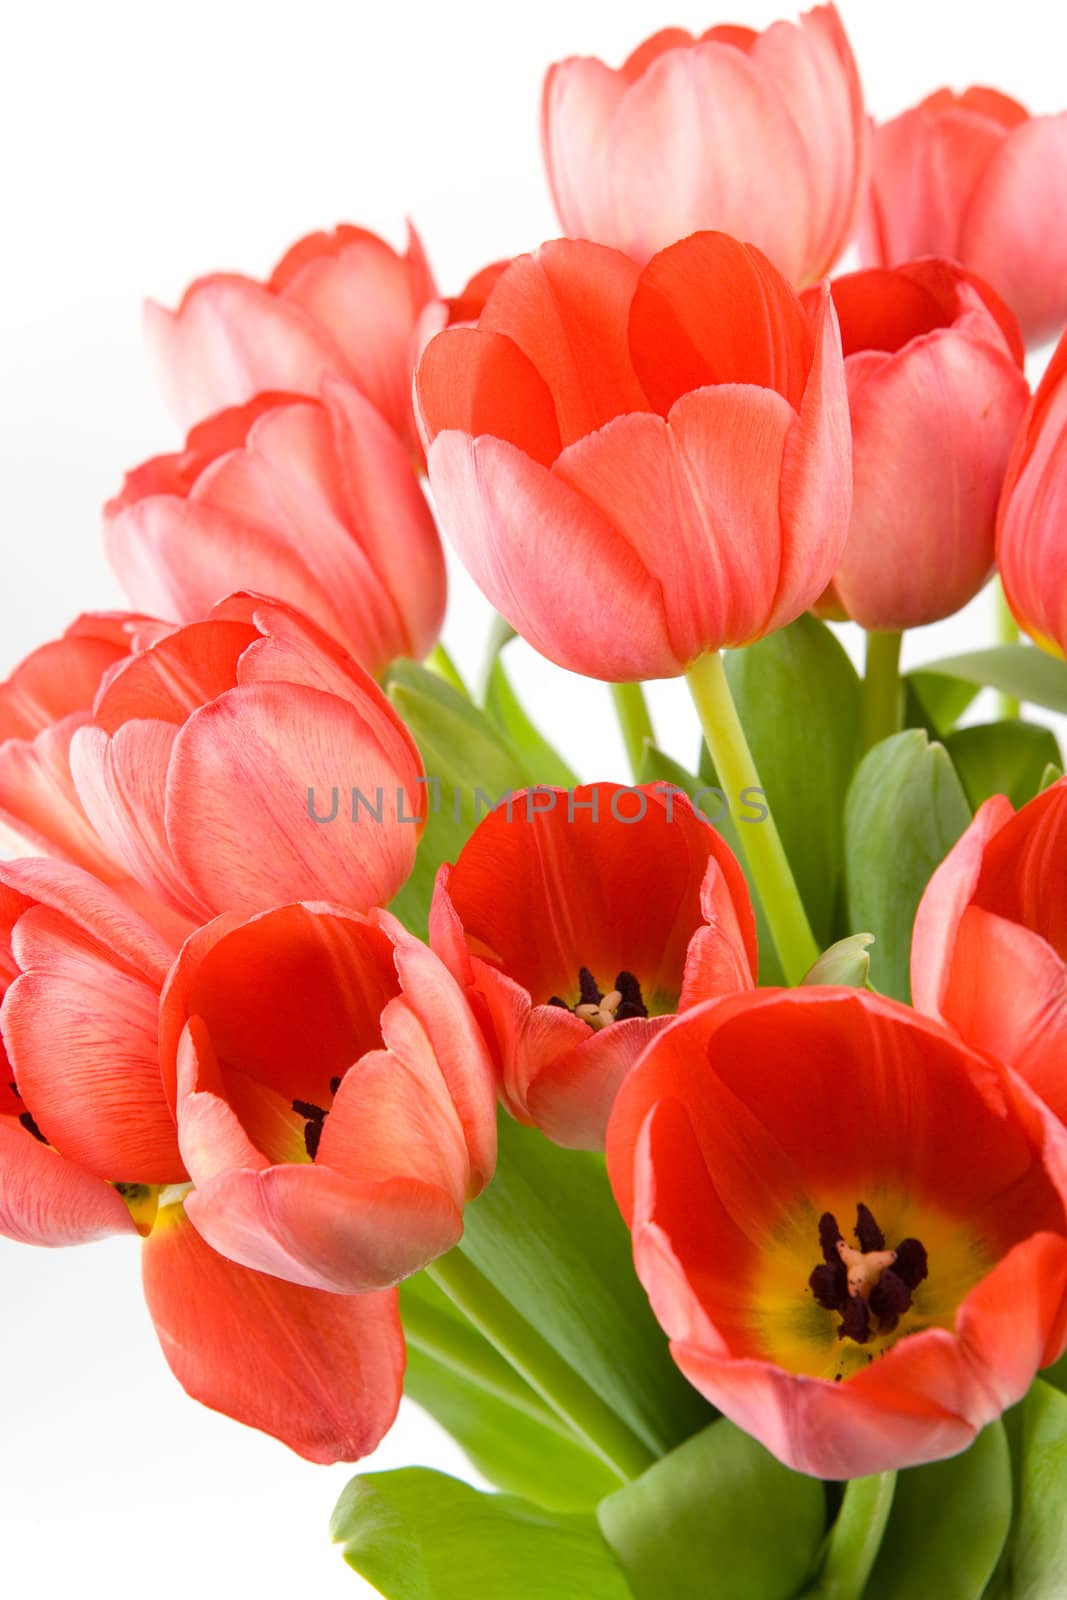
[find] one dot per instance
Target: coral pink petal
(481, 382)
(47, 1200)
(944, 902)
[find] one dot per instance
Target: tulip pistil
(868, 1286)
(599, 1010)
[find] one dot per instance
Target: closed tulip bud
(639, 466)
(933, 363)
(975, 177)
(761, 135)
(312, 501)
(1033, 509)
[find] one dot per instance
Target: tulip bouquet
(693, 1150)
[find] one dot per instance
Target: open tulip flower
(1030, 546)
(342, 303)
(210, 751)
(989, 954)
(672, 1159)
(975, 177)
(852, 1228)
(759, 134)
(313, 502)
(633, 479)
(581, 921)
(335, 1135)
(933, 362)
(89, 1148)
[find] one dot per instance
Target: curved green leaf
(905, 810)
(718, 1516)
(1020, 670)
(544, 764)
(1035, 1557)
(1002, 758)
(419, 1535)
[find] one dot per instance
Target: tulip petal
(947, 896)
(481, 382)
(59, 678)
(579, 102)
(320, 1372)
(47, 1200)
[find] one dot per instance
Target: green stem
(855, 1539)
(542, 1367)
(760, 841)
(883, 694)
(631, 709)
(441, 662)
(1007, 633)
(500, 634)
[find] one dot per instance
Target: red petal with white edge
(47, 1200)
(566, 307)
(944, 901)
(81, 1036)
(237, 802)
(230, 339)
(570, 1096)
(550, 562)
(321, 1372)
(696, 500)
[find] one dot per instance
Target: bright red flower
(335, 1134)
(343, 304)
(579, 929)
(217, 756)
(313, 502)
(933, 363)
(1031, 553)
(975, 177)
(852, 1227)
(759, 134)
(631, 476)
(989, 951)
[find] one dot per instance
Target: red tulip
(933, 363)
(343, 304)
(755, 1135)
(760, 135)
(87, 1139)
(975, 177)
(46, 699)
(214, 756)
(989, 951)
(1033, 508)
(579, 921)
(313, 502)
(334, 1135)
(632, 477)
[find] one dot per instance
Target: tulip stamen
(25, 1118)
(869, 1287)
(314, 1121)
(599, 1010)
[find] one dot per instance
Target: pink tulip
(218, 756)
(579, 923)
(313, 502)
(89, 1147)
(631, 476)
(1033, 511)
(761, 135)
(975, 177)
(342, 303)
(852, 1228)
(335, 1134)
(933, 363)
(989, 951)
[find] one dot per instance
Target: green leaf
(419, 1535)
(1002, 758)
(846, 962)
(470, 765)
(509, 1434)
(1052, 774)
(548, 1235)
(798, 698)
(1019, 670)
(906, 809)
(1035, 1557)
(934, 702)
(948, 1525)
(534, 750)
(718, 1516)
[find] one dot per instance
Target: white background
(143, 144)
